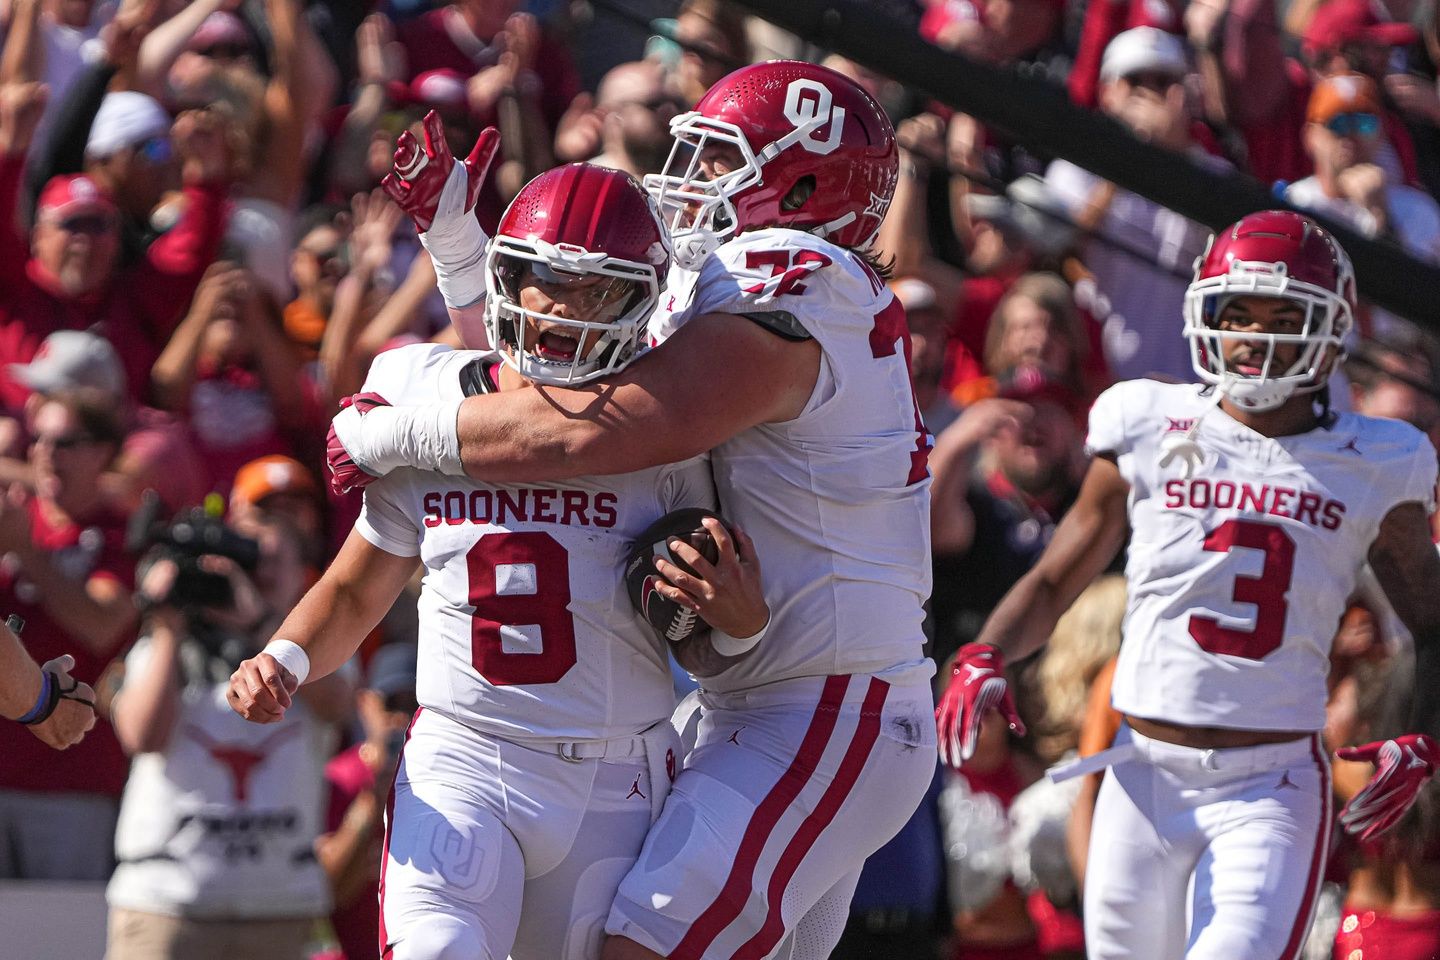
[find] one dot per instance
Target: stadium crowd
(197, 263)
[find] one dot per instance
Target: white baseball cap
(70, 360)
(1144, 50)
(125, 118)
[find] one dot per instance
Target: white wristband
(728, 646)
(291, 656)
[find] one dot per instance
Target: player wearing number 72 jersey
(789, 365)
(1248, 526)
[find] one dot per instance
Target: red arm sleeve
(174, 264)
(1104, 19)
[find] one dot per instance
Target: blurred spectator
(628, 126)
(129, 154)
(271, 121)
(359, 780)
(929, 331)
(1005, 472)
(1343, 136)
(712, 41)
(71, 281)
(46, 41)
(990, 916)
(1106, 20)
(999, 31)
(281, 488)
(319, 260)
(1262, 93)
(1392, 896)
(66, 572)
(1141, 253)
(230, 371)
(1351, 36)
(219, 819)
(157, 453)
(522, 79)
(1036, 323)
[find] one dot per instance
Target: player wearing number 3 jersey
(542, 750)
(1250, 509)
(789, 362)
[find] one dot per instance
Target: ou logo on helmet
(809, 105)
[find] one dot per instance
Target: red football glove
(345, 473)
(420, 174)
(977, 686)
(1402, 768)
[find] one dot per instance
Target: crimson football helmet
(566, 228)
(1276, 253)
(790, 121)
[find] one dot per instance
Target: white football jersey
(838, 499)
(1239, 574)
(525, 627)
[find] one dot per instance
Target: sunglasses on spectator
(67, 441)
(1353, 124)
(225, 51)
(92, 223)
(657, 102)
(1152, 80)
(155, 150)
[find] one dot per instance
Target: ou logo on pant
(808, 104)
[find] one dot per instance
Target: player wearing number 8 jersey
(1251, 509)
(789, 361)
(542, 750)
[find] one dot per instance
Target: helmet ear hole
(795, 199)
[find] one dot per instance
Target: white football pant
(1207, 854)
(497, 848)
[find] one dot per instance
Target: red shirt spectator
(355, 921)
(69, 284)
(91, 548)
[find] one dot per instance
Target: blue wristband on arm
(46, 703)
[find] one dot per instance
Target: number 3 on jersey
(889, 330)
(521, 581)
(1267, 591)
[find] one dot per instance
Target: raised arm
(328, 624)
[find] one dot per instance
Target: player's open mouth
(554, 346)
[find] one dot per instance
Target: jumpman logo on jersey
(1350, 445)
(1285, 781)
(735, 737)
(635, 790)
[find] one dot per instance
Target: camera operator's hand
(247, 607)
(74, 714)
(261, 689)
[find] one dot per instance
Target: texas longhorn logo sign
(808, 104)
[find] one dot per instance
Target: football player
(789, 359)
(542, 750)
(1250, 508)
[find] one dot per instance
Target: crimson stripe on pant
(385, 847)
(1317, 859)
(855, 757)
(731, 899)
